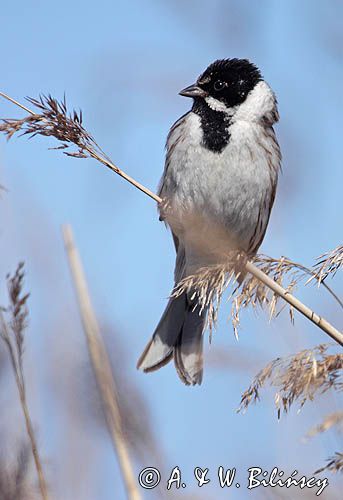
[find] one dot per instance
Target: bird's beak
(193, 91)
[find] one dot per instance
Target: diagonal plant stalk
(97, 156)
(319, 321)
(101, 365)
(296, 303)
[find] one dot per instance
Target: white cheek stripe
(216, 105)
(259, 102)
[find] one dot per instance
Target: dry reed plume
(329, 263)
(13, 321)
(209, 284)
(302, 377)
(53, 119)
(298, 377)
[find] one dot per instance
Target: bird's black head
(226, 80)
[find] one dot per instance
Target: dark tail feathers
(179, 334)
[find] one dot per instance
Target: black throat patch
(214, 124)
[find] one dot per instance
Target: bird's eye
(219, 85)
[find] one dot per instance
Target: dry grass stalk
(138, 426)
(319, 321)
(299, 377)
(101, 366)
(54, 120)
(209, 284)
(335, 464)
(294, 272)
(333, 420)
(254, 293)
(12, 333)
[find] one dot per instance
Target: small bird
(218, 189)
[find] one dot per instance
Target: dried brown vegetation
(329, 263)
(53, 120)
(209, 284)
(299, 377)
(102, 369)
(13, 321)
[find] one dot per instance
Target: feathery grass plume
(333, 420)
(53, 119)
(256, 294)
(206, 288)
(299, 377)
(329, 263)
(335, 464)
(13, 321)
(298, 273)
(209, 284)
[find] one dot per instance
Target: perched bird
(218, 189)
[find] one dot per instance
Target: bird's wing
(262, 222)
(180, 263)
(172, 140)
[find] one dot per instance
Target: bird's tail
(179, 334)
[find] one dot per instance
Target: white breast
(228, 187)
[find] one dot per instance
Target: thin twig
(250, 267)
(101, 365)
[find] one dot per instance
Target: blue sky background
(123, 64)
